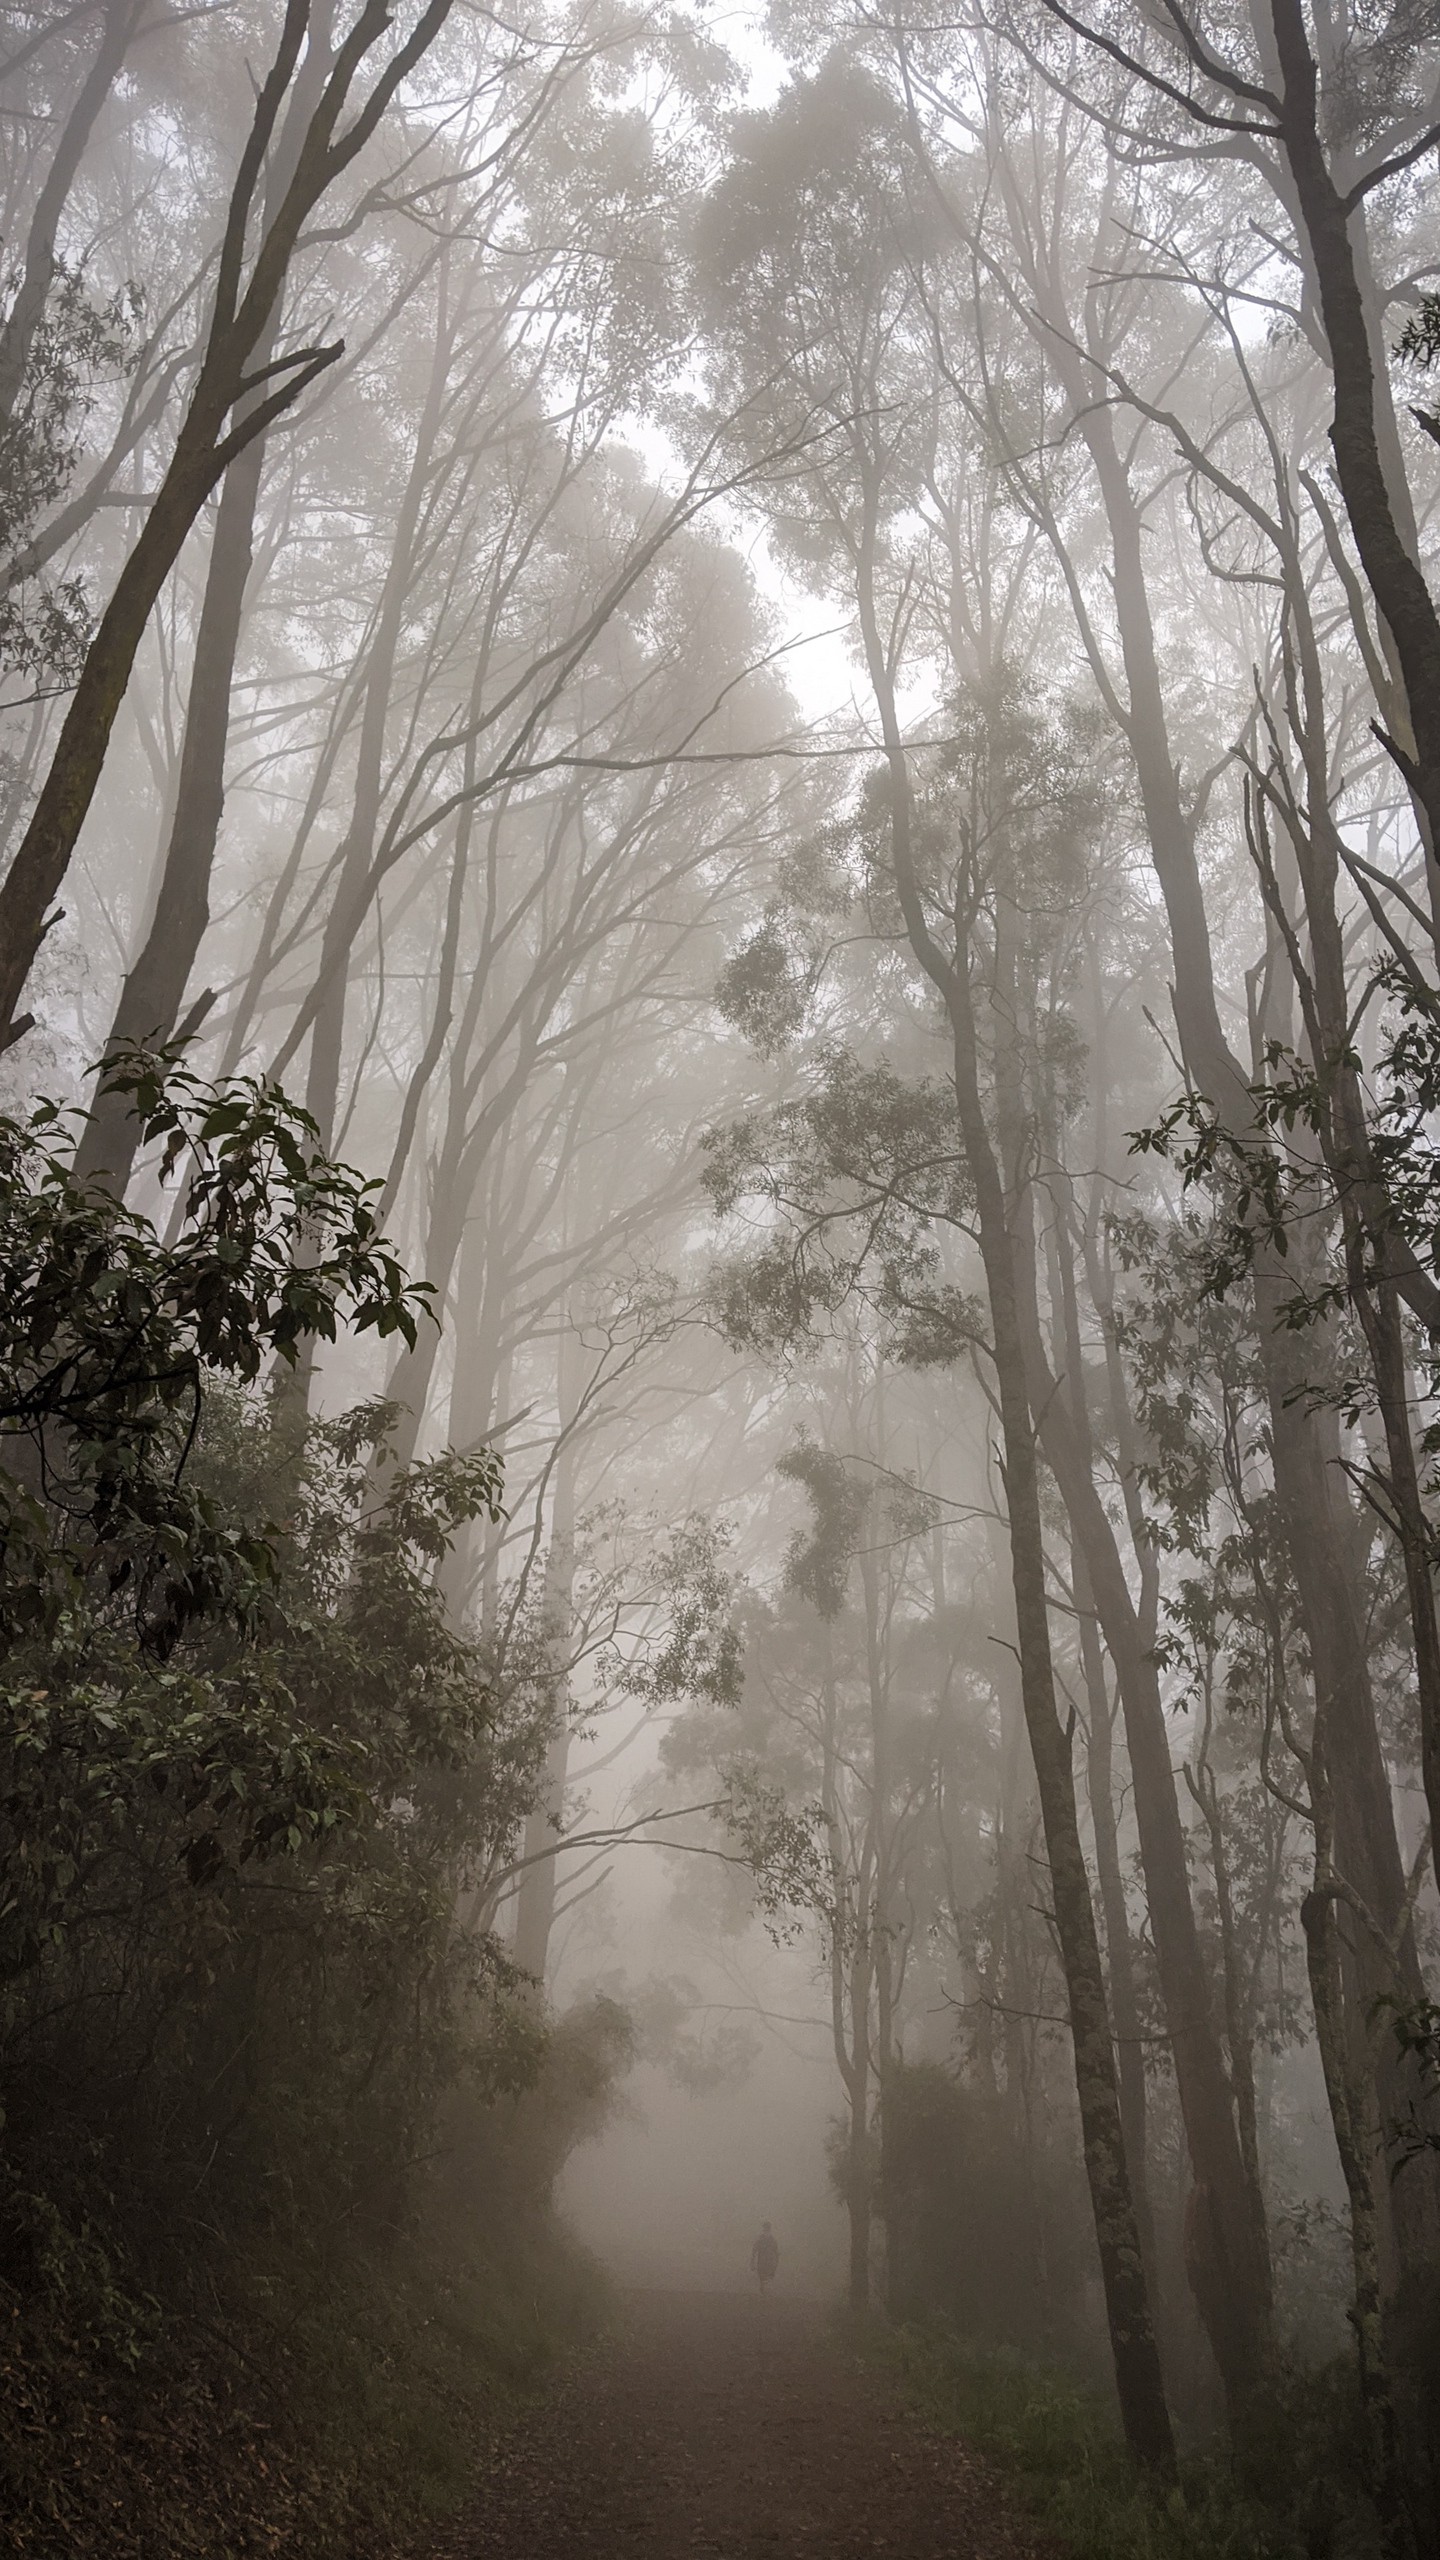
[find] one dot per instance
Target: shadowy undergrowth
(328, 2413)
(279, 2119)
(1062, 2450)
(225, 2384)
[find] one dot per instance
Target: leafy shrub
(251, 1776)
(981, 2230)
(1062, 2448)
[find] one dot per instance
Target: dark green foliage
(1419, 340)
(979, 2231)
(826, 140)
(765, 990)
(1417, 2032)
(697, 1651)
(251, 1775)
(109, 1333)
(855, 1181)
(167, 1697)
(45, 622)
(1419, 343)
(309, 2393)
(889, 1139)
(511, 2153)
(238, 2003)
(861, 1188)
(1265, 1187)
(818, 1567)
(1062, 2449)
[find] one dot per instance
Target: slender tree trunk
(1395, 579)
(857, 2205)
(203, 448)
(1304, 1444)
(886, 1925)
(537, 1890)
(1120, 1961)
(44, 853)
(1137, 2365)
(850, 1986)
(860, 2198)
(1357, 2145)
(536, 1898)
(328, 1032)
(1238, 2038)
(119, 19)
(476, 1388)
(1229, 2272)
(148, 1008)
(1376, 1257)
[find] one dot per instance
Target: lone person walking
(765, 2257)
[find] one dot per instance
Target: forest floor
(729, 2426)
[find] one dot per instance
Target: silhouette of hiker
(765, 2257)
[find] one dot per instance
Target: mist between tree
(719, 1419)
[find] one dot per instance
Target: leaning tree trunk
(40, 263)
(327, 1035)
(1393, 574)
(149, 1004)
(148, 1007)
(204, 447)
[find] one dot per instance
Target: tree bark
(1137, 2364)
(850, 1987)
(148, 1007)
(1356, 2141)
(119, 21)
(327, 1035)
(1228, 2266)
(536, 1897)
(1120, 1961)
(1230, 2272)
(1395, 579)
(1304, 1443)
(202, 450)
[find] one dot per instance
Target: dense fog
(719, 1223)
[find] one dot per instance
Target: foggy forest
(719, 1279)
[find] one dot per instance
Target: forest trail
(727, 2426)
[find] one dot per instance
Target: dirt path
(721, 2425)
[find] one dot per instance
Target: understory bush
(264, 2399)
(1061, 2448)
(985, 2233)
(280, 2120)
